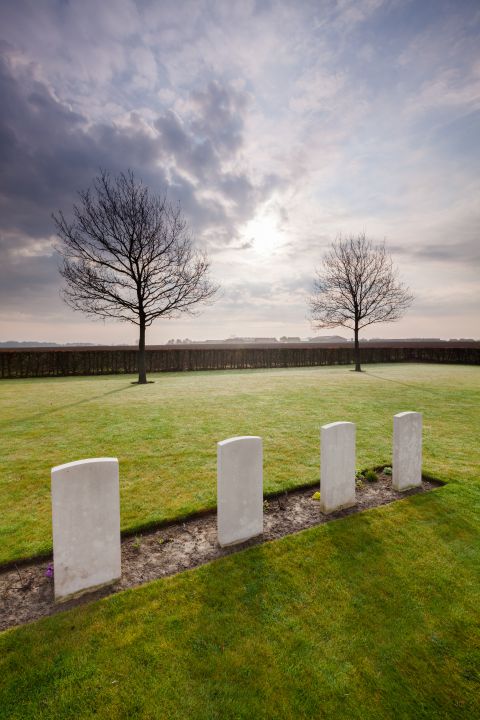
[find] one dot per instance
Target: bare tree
(357, 286)
(128, 255)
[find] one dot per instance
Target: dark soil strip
(26, 593)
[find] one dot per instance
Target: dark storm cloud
(199, 144)
(220, 116)
(213, 133)
(48, 152)
(207, 214)
(238, 188)
(198, 157)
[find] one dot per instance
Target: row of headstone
(86, 498)
(240, 474)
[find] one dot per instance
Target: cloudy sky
(278, 126)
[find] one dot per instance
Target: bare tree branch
(357, 287)
(128, 255)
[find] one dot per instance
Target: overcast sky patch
(277, 126)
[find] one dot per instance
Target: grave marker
(337, 466)
(239, 489)
(86, 525)
(407, 450)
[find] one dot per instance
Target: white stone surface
(407, 450)
(86, 525)
(337, 466)
(239, 489)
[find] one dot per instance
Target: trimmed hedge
(53, 362)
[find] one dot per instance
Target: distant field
(164, 434)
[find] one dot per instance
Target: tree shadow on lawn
(416, 387)
(39, 415)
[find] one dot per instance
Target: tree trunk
(357, 351)
(142, 373)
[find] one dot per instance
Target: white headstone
(407, 450)
(337, 466)
(86, 525)
(239, 489)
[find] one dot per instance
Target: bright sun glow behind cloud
(264, 234)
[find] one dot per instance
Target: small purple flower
(49, 571)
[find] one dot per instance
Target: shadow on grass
(417, 387)
(224, 636)
(404, 583)
(366, 618)
(39, 415)
(375, 620)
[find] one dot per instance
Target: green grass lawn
(165, 434)
(372, 616)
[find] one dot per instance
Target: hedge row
(108, 361)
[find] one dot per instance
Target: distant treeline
(54, 362)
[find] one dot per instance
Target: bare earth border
(26, 593)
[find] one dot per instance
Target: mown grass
(165, 434)
(375, 616)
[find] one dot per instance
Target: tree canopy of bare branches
(127, 255)
(357, 286)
